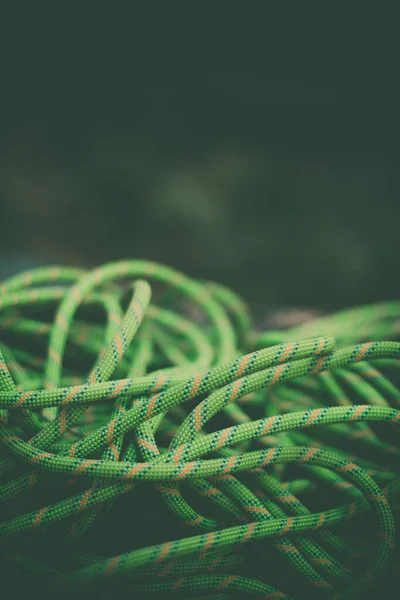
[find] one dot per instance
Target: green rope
(218, 461)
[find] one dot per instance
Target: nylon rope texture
(154, 443)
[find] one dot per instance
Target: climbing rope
(153, 443)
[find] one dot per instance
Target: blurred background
(258, 150)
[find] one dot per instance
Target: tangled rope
(154, 444)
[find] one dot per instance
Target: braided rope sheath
(272, 458)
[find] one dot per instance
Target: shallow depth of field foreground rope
(154, 444)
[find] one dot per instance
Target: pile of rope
(153, 443)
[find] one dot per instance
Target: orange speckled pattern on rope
(153, 440)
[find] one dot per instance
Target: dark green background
(256, 147)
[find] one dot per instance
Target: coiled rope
(153, 443)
